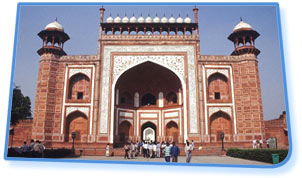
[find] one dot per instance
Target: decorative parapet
(222, 58)
(149, 37)
(79, 58)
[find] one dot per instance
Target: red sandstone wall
(248, 100)
(22, 132)
(277, 128)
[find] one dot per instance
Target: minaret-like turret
(53, 37)
(244, 37)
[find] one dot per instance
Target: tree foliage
(21, 107)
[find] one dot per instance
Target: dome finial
(240, 19)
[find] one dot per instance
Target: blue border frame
(150, 163)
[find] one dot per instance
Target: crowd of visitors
(34, 149)
(149, 149)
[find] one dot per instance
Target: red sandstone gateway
(148, 81)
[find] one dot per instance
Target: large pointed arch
(113, 87)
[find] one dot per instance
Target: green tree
(21, 108)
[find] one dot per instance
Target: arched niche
(79, 87)
(220, 122)
(218, 88)
(76, 122)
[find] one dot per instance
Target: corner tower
(53, 37)
(247, 89)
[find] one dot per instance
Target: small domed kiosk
(244, 37)
(53, 37)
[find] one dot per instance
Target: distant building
(148, 81)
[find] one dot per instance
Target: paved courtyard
(181, 159)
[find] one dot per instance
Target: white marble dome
(54, 26)
(179, 20)
(187, 20)
(109, 19)
(141, 19)
(242, 25)
(133, 19)
(164, 19)
(117, 19)
(172, 19)
(125, 19)
(148, 19)
(156, 19)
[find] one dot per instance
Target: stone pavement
(181, 159)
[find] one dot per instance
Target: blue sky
(216, 22)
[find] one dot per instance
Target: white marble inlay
(221, 71)
(148, 115)
(124, 119)
(172, 62)
(152, 121)
(213, 110)
(191, 78)
(84, 110)
(136, 100)
(160, 100)
(126, 114)
(171, 114)
(85, 71)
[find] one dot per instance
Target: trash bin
(275, 158)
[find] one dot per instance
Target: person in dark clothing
(175, 152)
(126, 148)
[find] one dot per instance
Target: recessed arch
(218, 73)
(220, 122)
(77, 122)
(172, 131)
(125, 131)
(178, 74)
(148, 99)
(79, 87)
(218, 88)
(171, 98)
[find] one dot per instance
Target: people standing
(188, 151)
(150, 148)
(132, 150)
(167, 152)
(267, 142)
(126, 148)
(24, 149)
(175, 152)
(145, 148)
(107, 150)
(154, 148)
(193, 145)
(31, 145)
(158, 149)
(140, 147)
(163, 145)
(254, 144)
(260, 143)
